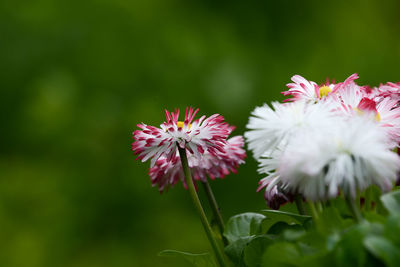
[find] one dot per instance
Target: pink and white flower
(381, 104)
(197, 136)
(347, 95)
(388, 90)
(388, 113)
(166, 173)
(337, 136)
(302, 89)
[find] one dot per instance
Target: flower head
(331, 138)
(302, 89)
(388, 90)
(166, 173)
(273, 127)
(388, 111)
(380, 104)
(351, 157)
(348, 95)
(197, 136)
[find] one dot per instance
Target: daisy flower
(166, 173)
(204, 141)
(270, 127)
(347, 95)
(197, 136)
(388, 90)
(350, 99)
(271, 130)
(302, 89)
(388, 115)
(355, 154)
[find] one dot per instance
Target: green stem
(319, 207)
(215, 209)
(196, 201)
(368, 199)
(358, 201)
(299, 203)
(314, 212)
(353, 208)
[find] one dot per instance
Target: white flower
(352, 156)
(273, 127)
(268, 166)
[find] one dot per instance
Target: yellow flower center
(324, 91)
(181, 123)
(360, 112)
(378, 117)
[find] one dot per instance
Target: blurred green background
(77, 76)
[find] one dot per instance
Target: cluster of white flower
(327, 139)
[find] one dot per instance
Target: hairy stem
(319, 206)
(368, 199)
(299, 203)
(353, 208)
(314, 212)
(196, 201)
(215, 209)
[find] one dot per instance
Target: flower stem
(299, 203)
(196, 201)
(368, 199)
(215, 209)
(319, 207)
(314, 212)
(353, 208)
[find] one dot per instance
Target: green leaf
(294, 233)
(243, 225)
(198, 260)
(321, 258)
(391, 201)
(349, 251)
(255, 249)
(281, 254)
(235, 250)
(274, 216)
(372, 216)
(300, 218)
(393, 226)
(330, 221)
(280, 227)
(383, 249)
